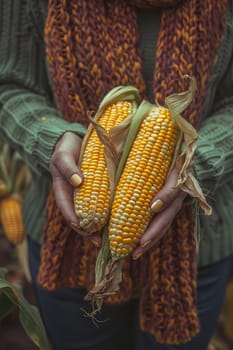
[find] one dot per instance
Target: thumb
(65, 158)
(63, 165)
(75, 179)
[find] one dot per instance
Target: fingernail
(156, 206)
(95, 243)
(145, 244)
(74, 226)
(76, 180)
(137, 256)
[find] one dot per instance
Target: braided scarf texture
(92, 46)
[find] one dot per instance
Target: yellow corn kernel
(144, 174)
(12, 220)
(92, 198)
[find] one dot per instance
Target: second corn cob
(143, 175)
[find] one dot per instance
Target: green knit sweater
(30, 122)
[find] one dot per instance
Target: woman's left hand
(165, 205)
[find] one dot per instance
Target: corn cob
(92, 198)
(143, 175)
(12, 220)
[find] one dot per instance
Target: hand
(66, 176)
(166, 204)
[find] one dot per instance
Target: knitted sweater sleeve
(28, 119)
(214, 154)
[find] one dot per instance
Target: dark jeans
(69, 329)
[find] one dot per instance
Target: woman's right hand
(66, 176)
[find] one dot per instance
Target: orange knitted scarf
(92, 46)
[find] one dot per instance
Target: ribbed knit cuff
(208, 167)
(50, 130)
(214, 154)
(32, 126)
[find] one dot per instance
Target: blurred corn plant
(11, 296)
(15, 179)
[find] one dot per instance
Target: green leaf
(6, 306)
(28, 314)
